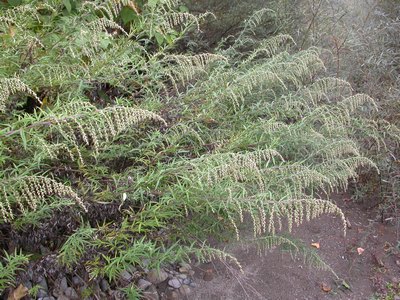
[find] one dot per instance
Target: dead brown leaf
(326, 287)
(360, 250)
(19, 293)
(316, 245)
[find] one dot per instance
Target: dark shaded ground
(277, 276)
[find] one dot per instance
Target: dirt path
(275, 275)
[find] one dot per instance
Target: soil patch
(275, 275)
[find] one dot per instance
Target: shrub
(101, 109)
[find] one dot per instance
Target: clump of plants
(118, 150)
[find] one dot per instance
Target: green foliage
(102, 112)
(10, 265)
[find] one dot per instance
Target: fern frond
(351, 104)
(9, 86)
(99, 126)
(25, 193)
(102, 24)
(295, 211)
(270, 46)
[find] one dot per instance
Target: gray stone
(191, 273)
(104, 285)
(76, 280)
(43, 283)
(131, 269)
(193, 284)
(63, 284)
(125, 275)
(62, 297)
(145, 262)
(182, 276)
(187, 281)
(156, 277)
(175, 283)
(71, 293)
(42, 293)
(49, 298)
(27, 284)
(151, 293)
(143, 284)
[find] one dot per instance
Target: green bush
(150, 150)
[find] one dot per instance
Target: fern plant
(102, 113)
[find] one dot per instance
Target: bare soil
(276, 275)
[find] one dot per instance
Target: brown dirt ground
(276, 275)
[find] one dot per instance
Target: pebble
(71, 293)
(156, 277)
(125, 275)
(187, 281)
(143, 284)
(172, 295)
(62, 297)
(175, 283)
(182, 276)
(43, 283)
(48, 298)
(151, 293)
(27, 284)
(191, 273)
(104, 285)
(208, 275)
(193, 284)
(63, 284)
(76, 280)
(184, 290)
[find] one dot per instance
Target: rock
(145, 262)
(191, 273)
(43, 284)
(172, 295)
(104, 285)
(175, 283)
(187, 281)
(63, 284)
(151, 293)
(193, 284)
(379, 258)
(62, 297)
(185, 266)
(125, 275)
(76, 280)
(44, 250)
(143, 284)
(43, 288)
(182, 276)
(71, 294)
(185, 291)
(27, 284)
(131, 269)
(208, 275)
(184, 270)
(156, 277)
(49, 298)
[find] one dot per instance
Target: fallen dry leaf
(326, 287)
(360, 250)
(316, 245)
(19, 293)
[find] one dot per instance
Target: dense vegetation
(119, 147)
